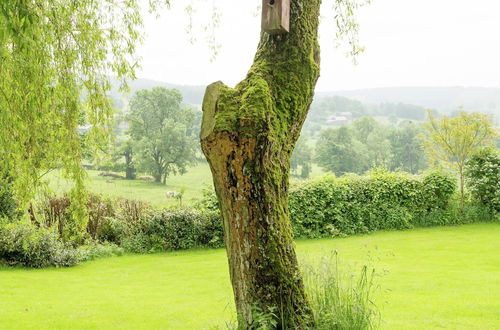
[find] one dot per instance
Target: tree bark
(248, 135)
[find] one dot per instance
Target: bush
(113, 230)
(209, 230)
(8, 205)
(353, 204)
(99, 209)
(359, 204)
(175, 230)
(483, 178)
(26, 245)
(108, 219)
(93, 251)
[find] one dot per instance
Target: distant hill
(443, 99)
(192, 95)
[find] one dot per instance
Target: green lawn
(446, 277)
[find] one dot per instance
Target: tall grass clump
(340, 300)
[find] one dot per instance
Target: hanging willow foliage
(55, 60)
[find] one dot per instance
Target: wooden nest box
(276, 16)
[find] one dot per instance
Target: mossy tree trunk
(248, 135)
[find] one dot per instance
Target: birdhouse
(276, 16)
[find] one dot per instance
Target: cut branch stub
(210, 108)
(276, 16)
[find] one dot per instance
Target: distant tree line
(324, 108)
(366, 143)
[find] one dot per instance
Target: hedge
(359, 204)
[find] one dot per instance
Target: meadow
(442, 277)
(192, 183)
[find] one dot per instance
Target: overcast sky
(408, 43)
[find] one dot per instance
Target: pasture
(443, 277)
(192, 183)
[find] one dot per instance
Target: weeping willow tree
(55, 60)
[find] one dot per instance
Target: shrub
(8, 205)
(175, 230)
(26, 245)
(55, 213)
(209, 230)
(439, 188)
(99, 209)
(353, 204)
(359, 204)
(483, 178)
(113, 230)
(108, 219)
(209, 200)
(93, 251)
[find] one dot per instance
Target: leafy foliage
(482, 174)
(8, 206)
(163, 135)
(451, 142)
(353, 204)
(26, 245)
(175, 230)
(301, 158)
(339, 152)
(55, 57)
(366, 144)
(408, 154)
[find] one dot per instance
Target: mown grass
(446, 277)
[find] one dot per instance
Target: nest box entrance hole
(276, 16)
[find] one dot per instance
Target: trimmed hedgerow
(360, 204)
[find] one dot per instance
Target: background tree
(125, 151)
(451, 142)
(339, 152)
(363, 127)
(482, 173)
(408, 154)
(161, 129)
(378, 148)
(302, 158)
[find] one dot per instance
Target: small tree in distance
(482, 172)
(302, 157)
(161, 132)
(451, 142)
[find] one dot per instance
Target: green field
(193, 182)
(446, 277)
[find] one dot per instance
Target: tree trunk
(248, 135)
